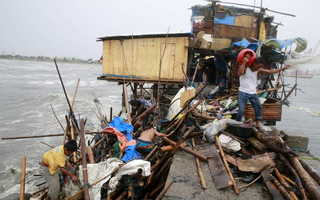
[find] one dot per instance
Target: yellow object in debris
(228, 116)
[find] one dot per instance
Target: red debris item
(243, 54)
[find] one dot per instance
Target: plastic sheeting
(175, 107)
(227, 20)
(126, 130)
(98, 171)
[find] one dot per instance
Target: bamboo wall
(141, 57)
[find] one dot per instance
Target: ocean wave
(307, 110)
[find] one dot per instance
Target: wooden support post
(226, 164)
(110, 114)
(84, 160)
(203, 182)
(127, 103)
(23, 178)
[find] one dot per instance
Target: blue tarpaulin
(228, 20)
(125, 129)
(246, 44)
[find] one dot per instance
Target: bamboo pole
(203, 182)
(280, 188)
(226, 165)
(47, 145)
(42, 195)
(164, 191)
(72, 137)
(190, 151)
(40, 136)
(289, 180)
(311, 186)
(75, 93)
(23, 178)
(188, 102)
(54, 113)
(284, 183)
(110, 114)
(173, 124)
(36, 192)
(67, 129)
(295, 176)
(84, 160)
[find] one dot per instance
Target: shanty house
(138, 58)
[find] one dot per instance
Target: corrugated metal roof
(135, 36)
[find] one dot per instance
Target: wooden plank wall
(270, 111)
(141, 57)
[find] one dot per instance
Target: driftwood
(313, 173)
(285, 184)
(310, 185)
(257, 144)
(226, 165)
(295, 176)
(280, 188)
(272, 189)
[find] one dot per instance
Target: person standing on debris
(248, 76)
(144, 142)
(52, 161)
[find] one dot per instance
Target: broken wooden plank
(256, 163)
(218, 172)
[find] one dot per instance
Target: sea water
(29, 88)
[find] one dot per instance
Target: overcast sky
(69, 28)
